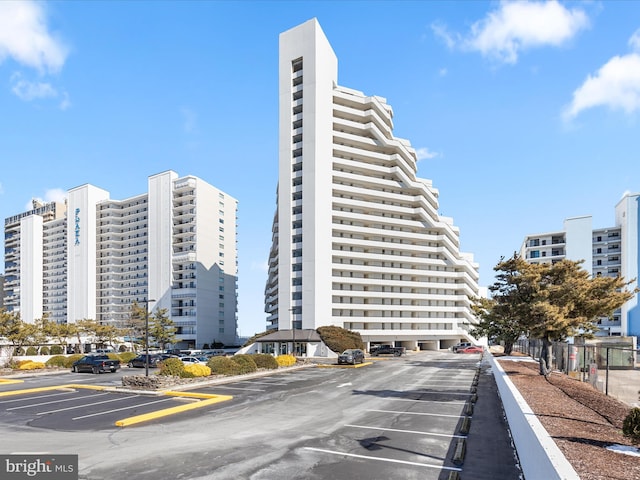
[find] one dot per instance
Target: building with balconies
(94, 257)
(611, 251)
(357, 240)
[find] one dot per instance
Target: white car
(189, 360)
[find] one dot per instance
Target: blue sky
(523, 113)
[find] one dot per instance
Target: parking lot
(394, 418)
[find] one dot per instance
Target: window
(297, 110)
(535, 254)
(296, 65)
(297, 124)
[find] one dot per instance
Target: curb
(539, 455)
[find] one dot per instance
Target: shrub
(264, 360)
(56, 350)
(285, 360)
(31, 365)
(44, 351)
(171, 366)
(18, 351)
(247, 365)
(122, 348)
(20, 363)
(223, 366)
(631, 425)
(339, 339)
(72, 358)
(57, 361)
(198, 370)
(126, 357)
(32, 351)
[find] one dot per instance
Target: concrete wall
(539, 456)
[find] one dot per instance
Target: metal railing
(588, 362)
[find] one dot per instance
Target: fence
(589, 363)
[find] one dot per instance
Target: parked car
(471, 349)
(140, 360)
(95, 364)
(459, 346)
(352, 356)
(188, 360)
(376, 350)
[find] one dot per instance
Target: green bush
(172, 366)
(44, 351)
(631, 425)
(32, 351)
(72, 358)
(246, 362)
(56, 350)
(18, 351)
(223, 366)
(126, 357)
(339, 339)
(57, 361)
(122, 348)
(264, 360)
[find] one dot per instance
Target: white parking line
(417, 413)
(123, 408)
(390, 460)
(35, 398)
(93, 395)
(407, 431)
(425, 401)
(86, 405)
(263, 383)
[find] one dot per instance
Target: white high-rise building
(174, 246)
(357, 238)
(610, 251)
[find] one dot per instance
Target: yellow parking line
(145, 417)
(6, 381)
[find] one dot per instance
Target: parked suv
(352, 356)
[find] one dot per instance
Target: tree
(161, 328)
(86, 327)
(550, 302)
(134, 325)
(107, 334)
(497, 323)
(61, 332)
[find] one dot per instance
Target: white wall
(579, 241)
(81, 251)
(31, 268)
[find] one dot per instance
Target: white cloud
(27, 90)
(634, 41)
(50, 195)
(25, 37)
(616, 85)
(425, 154)
(517, 26)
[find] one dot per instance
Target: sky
(522, 114)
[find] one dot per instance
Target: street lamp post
(293, 329)
(146, 336)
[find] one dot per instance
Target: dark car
(140, 360)
(376, 350)
(352, 356)
(95, 364)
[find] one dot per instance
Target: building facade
(94, 257)
(611, 251)
(357, 240)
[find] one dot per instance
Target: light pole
(146, 336)
(293, 329)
